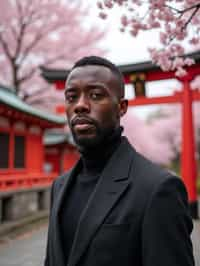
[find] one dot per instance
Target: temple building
(25, 178)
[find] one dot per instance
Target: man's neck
(94, 160)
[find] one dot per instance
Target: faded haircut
(100, 61)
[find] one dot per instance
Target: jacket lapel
(62, 190)
(65, 184)
(111, 185)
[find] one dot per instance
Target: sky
(122, 48)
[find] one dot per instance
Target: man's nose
(82, 105)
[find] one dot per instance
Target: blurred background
(158, 52)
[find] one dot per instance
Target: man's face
(92, 106)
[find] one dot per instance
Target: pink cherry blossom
(142, 136)
(178, 63)
(177, 20)
(100, 5)
(167, 127)
(41, 32)
(180, 72)
(189, 61)
(195, 84)
(102, 15)
(108, 3)
(195, 40)
(124, 21)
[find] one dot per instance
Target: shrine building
(24, 180)
(60, 151)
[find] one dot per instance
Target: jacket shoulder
(146, 175)
(58, 184)
(143, 167)
(59, 181)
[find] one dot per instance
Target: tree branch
(5, 48)
(191, 7)
(23, 25)
(14, 32)
(33, 70)
(183, 10)
(20, 39)
(191, 17)
(37, 39)
(174, 9)
(28, 75)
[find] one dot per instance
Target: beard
(85, 142)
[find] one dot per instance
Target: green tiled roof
(52, 138)
(8, 97)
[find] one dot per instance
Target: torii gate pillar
(188, 160)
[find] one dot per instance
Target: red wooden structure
(60, 152)
(185, 98)
(22, 151)
(146, 71)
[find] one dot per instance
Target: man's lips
(82, 123)
(83, 126)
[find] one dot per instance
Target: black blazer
(137, 216)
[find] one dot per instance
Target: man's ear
(123, 105)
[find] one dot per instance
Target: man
(114, 207)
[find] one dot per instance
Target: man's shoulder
(62, 178)
(141, 163)
(148, 179)
(148, 174)
(145, 166)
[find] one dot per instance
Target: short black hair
(100, 61)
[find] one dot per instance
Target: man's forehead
(92, 72)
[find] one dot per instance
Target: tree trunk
(15, 81)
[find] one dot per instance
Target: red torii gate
(150, 72)
(186, 98)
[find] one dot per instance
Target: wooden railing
(22, 181)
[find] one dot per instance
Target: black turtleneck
(93, 162)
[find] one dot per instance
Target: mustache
(82, 120)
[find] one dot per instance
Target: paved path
(196, 242)
(29, 248)
(25, 250)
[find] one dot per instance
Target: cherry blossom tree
(175, 21)
(41, 32)
(142, 136)
(168, 128)
(160, 139)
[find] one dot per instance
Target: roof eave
(53, 75)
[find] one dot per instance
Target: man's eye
(70, 97)
(96, 96)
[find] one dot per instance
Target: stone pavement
(29, 249)
(196, 242)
